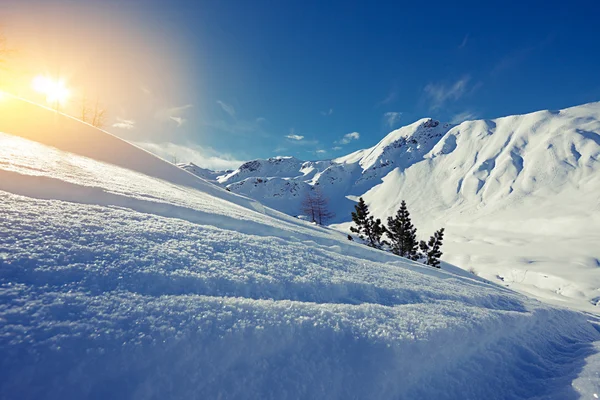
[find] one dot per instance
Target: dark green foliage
(424, 248)
(432, 249)
(350, 238)
(402, 234)
(367, 228)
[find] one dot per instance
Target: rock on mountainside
(519, 195)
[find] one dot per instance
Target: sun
(55, 90)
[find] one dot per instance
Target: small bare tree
(98, 116)
(308, 206)
(322, 206)
(85, 110)
(316, 205)
(94, 115)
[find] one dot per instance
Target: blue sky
(319, 79)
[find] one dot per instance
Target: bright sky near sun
(219, 82)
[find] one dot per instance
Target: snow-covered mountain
(519, 196)
(203, 173)
(125, 277)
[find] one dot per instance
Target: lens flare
(54, 90)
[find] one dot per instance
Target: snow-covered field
(123, 276)
(519, 196)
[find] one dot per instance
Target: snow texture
(519, 196)
(125, 277)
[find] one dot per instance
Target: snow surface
(519, 196)
(207, 174)
(123, 276)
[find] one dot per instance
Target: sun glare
(55, 91)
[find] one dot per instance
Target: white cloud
(173, 114)
(349, 137)
(295, 137)
(321, 151)
(464, 41)
(180, 121)
(326, 113)
(260, 120)
(336, 148)
(463, 116)
(392, 118)
(204, 157)
(440, 93)
(228, 108)
(124, 124)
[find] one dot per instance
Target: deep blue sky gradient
(282, 64)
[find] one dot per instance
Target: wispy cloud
(124, 124)
(180, 121)
(326, 113)
(392, 95)
(321, 151)
(510, 61)
(349, 137)
(228, 108)
(392, 118)
(336, 148)
(439, 93)
(463, 116)
(295, 137)
(464, 42)
(516, 57)
(261, 120)
(204, 157)
(173, 114)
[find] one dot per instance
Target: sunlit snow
(123, 276)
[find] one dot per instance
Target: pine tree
(402, 234)
(367, 228)
(432, 250)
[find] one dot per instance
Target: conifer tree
(402, 233)
(423, 248)
(432, 250)
(367, 228)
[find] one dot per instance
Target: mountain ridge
(536, 174)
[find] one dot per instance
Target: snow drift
(519, 196)
(122, 276)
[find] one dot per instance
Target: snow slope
(207, 174)
(123, 276)
(519, 196)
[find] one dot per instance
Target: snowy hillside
(123, 276)
(203, 173)
(519, 196)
